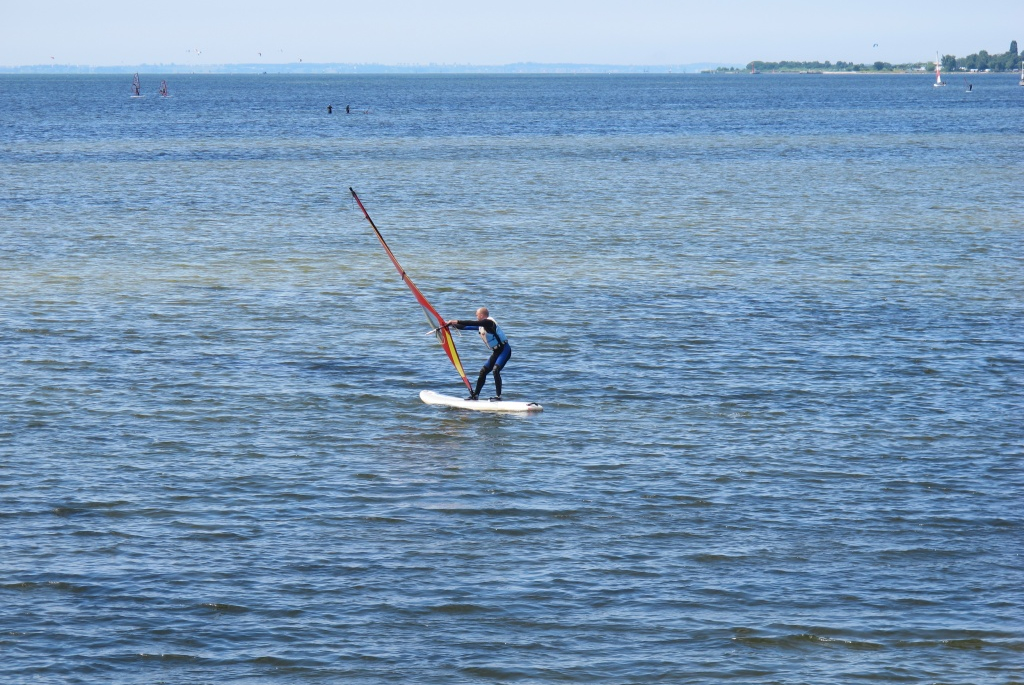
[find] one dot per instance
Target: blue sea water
(774, 321)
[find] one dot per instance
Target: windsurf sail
(136, 87)
(163, 89)
(436, 321)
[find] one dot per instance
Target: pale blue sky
(653, 32)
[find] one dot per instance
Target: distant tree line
(758, 65)
(1008, 61)
(980, 61)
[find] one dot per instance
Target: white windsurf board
(431, 397)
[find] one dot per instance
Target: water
(774, 323)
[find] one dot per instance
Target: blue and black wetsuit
(497, 342)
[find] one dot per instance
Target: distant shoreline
(919, 72)
(528, 69)
(981, 62)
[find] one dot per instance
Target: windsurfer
(496, 341)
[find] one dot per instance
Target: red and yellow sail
(441, 332)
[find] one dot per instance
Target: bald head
(482, 313)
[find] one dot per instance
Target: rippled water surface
(775, 323)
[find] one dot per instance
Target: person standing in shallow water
(497, 343)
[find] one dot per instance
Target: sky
(477, 32)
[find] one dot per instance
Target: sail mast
(436, 321)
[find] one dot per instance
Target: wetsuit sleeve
(473, 324)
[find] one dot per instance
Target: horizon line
(361, 67)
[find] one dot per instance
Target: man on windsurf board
(496, 341)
